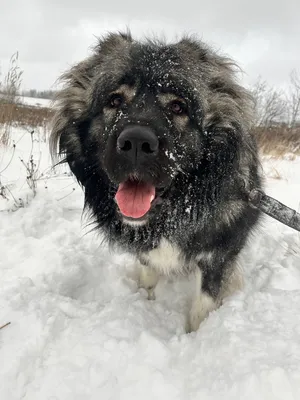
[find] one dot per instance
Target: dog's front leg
(202, 303)
(148, 278)
(211, 288)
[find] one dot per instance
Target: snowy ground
(80, 328)
(32, 101)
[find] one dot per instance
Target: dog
(159, 136)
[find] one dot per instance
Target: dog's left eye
(116, 100)
(178, 107)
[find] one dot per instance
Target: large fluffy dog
(158, 135)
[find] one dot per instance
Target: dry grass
(24, 116)
(278, 142)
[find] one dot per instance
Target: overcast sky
(262, 35)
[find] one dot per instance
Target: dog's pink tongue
(134, 198)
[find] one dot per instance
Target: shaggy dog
(158, 136)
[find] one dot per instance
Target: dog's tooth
(152, 198)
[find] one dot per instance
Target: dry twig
(3, 326)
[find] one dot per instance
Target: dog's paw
(151, 294)
(150, 291)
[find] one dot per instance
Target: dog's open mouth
(135, 198)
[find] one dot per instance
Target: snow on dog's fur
(158, 136)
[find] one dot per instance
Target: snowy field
(81, 329)
(32, 101)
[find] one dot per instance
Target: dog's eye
(116, 100)
(178, 107)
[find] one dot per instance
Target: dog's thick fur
(207, 160)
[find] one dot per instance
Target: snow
(81, 329)
(32, 101)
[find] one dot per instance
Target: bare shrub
(294, 100)
(8, 95)
(31, 171)
(277, 122)
(270, 105)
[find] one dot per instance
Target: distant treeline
(43, 94)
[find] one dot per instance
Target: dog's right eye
(178, 107)
(116, 100)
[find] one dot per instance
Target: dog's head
(136, 119)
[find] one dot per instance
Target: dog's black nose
(138, 142)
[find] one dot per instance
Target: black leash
(274, 209)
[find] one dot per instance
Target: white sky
(263, 36)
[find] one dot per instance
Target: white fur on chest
(166, 258)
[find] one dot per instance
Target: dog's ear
(226, 102)
(71, 105)
(228, 118)
(113, 42)
(227, 107)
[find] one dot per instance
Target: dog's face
(148, 117)
(146, 131)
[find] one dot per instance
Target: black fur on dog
(185, 124)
